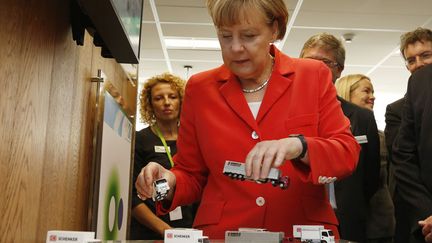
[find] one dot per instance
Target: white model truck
(313, 233)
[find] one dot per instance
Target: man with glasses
(352, 193)
(411, 200)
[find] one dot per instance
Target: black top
(145, 146)
(354, 192)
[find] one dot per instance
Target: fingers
(255, 161)
(268, 159)
(428, 237)
(426, 228)
(264, 156)
(144, 182)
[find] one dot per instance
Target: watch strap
(304, 145)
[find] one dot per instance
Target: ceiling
(377, 25)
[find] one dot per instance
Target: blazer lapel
(234, 97)
(277, 86)
(280, 80)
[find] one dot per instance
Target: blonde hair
(345, 85)
(146, 108)
(229, 12)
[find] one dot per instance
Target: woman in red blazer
(246, 110)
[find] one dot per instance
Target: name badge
(176, 214)
(361, 139)
(161, 149)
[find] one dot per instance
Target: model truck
(253, 235)
(236, 170)
(161, 189)
(313, 233)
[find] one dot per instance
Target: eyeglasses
(423, 57)
(326, 61)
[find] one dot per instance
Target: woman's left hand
(271, 153)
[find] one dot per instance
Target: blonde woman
(380, 225)
(357, 89)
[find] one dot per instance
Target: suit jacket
(217, 125)
(381, 219)
(393, 119)
(412, 151)
(353, 193)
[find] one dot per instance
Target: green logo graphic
(113, 208)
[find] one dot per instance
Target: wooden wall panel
(47, 116)
(27, 80)
(62, 162)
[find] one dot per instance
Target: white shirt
(254, 107)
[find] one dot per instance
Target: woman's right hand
(150, 173)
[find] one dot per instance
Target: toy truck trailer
(253, 235)
(313, 233)
(236, 170)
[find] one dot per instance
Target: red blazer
(217, 125)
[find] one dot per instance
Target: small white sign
(176, 214)
(59, 236)
(160, 149)
(182, 235)
(361, 139)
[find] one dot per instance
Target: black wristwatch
(304, 145)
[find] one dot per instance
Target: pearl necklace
(257, 88)
(248, 91)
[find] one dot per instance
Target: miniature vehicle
(161, 189)
(252, 235)
(313, 233)
(236, 170)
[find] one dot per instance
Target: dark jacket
(393, 119)
(412, 151)
(354, 192)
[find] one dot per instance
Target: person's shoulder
(141, 134)
(212, 75)
(421, 79)
(396, 104)
(359, 111)
(306, 63)
(423, 72)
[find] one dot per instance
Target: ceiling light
(192, 43)
(348, 37)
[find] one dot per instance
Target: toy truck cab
(313, 233)
(161, 189)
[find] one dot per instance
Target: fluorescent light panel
(192, 43)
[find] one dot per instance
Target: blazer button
(255, 135)
(260, 201)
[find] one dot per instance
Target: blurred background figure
(350, 197)
(416, 50)
(380, 223)
(160, 103)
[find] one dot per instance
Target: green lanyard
(164, 144)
